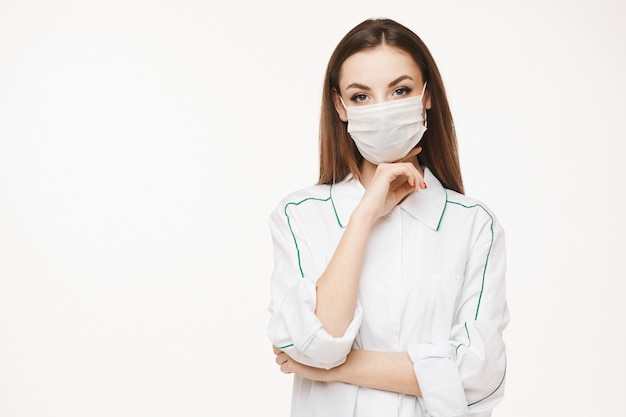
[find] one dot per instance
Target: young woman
(388, 291)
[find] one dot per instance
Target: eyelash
(356, 98)
(359, 98)
(405, 91)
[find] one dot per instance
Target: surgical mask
(386, 132)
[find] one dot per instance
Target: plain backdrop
(144, 143)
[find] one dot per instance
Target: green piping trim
(503, 376)
(492, 392)
(330, 192)
(469, 339)
(443, 211)
(295, 241)
(286, 346)
(482, 288)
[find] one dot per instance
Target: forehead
(378, 66)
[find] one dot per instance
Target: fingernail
(425, 186)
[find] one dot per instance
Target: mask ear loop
(425, 111)
(342, 103)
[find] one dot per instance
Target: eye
(358, 98)
(400, 92)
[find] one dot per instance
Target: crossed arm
(388, 371)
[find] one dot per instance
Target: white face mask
(386, 132)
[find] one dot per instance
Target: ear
(339, 108)
(427, 99)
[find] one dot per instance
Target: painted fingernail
(425, 186)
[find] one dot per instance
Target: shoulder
(319, 205)
(313, 193)
(301, 199)
(464, 205)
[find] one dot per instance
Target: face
(376, 75)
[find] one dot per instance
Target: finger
(414, 177)
(281, 359)
(416, 180)
(404, 190)
(419, 183)
(393, 170)
(276, 350)
(286, 369)
(286, 366)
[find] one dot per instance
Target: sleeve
(464, 376)
(294, 327)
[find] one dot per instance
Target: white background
(144, 143)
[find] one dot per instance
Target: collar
(426, 205)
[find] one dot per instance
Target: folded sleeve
(465, 374)
(294, 327)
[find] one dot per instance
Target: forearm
(388, 371)
(338, 286)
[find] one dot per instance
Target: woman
(388, 292)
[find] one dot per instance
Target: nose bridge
(381, 95)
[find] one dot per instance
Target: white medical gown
(432, 285)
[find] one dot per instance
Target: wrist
(341, 373)
(337, 374)
(363, 217)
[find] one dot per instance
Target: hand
(289, 366)
(390, 184)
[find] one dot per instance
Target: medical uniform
(432, 285)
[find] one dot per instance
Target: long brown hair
(338, 153)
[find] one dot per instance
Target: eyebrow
(391, 84)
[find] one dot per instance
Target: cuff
(299, 326)
(439, 380)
